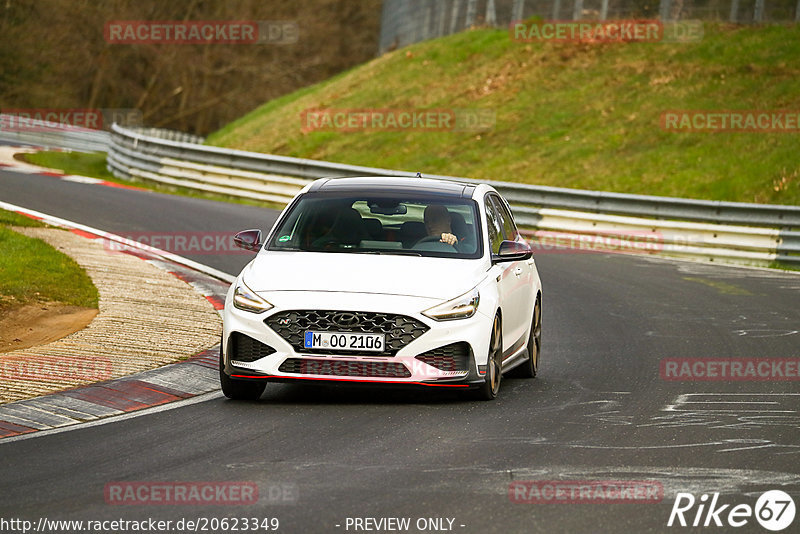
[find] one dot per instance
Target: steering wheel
(434, 239)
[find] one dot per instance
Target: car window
(380, 224)
(510, 231)
(493, 226)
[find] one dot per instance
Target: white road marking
(81, 179)
(64, 223)
(703, 403)
(117, 418)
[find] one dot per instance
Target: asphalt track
(599, 410)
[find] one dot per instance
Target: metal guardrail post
(556, 9)
(577, 10)
(733, 18)
(441, 13)
(758, 11)
(665, 10)
(491, 13)
(518, 10)
(472, 8)
(454, 16)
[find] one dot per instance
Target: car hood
(441, 278)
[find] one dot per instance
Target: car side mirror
(248, 240)
(512, 251)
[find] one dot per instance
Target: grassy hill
(567, 114)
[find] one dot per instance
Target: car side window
(494, 227)
(505, 219)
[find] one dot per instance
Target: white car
(384, 281)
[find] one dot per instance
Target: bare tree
(53, 54)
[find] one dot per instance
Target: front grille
(453, 357)
(308, 366)
(244, 348)
(398, 329)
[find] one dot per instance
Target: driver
(437, 223)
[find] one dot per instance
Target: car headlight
(247, 300)
(461, 307)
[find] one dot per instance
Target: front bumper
(411, 365)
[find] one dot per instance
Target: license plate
(343, 341)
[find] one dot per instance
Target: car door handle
(518, 271)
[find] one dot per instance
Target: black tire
(238, 389)
(530, 368)
(491, 385)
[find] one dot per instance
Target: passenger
(348, 230)
(320, 226)
(437, 223)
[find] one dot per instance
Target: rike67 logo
(774, 510)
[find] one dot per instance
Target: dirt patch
(37, 324)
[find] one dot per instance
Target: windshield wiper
(399, 253)
(382, 252)
(353, 251)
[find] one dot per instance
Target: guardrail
(134, 155)
(57, 135)
(53, 135)
(555, 217)
(590, 220)
(172, 135)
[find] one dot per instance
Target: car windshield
(386, 224)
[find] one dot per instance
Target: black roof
(394, 184)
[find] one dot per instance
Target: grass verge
(784, 266)
(10, 218)
(33, 271)
(91, 164)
